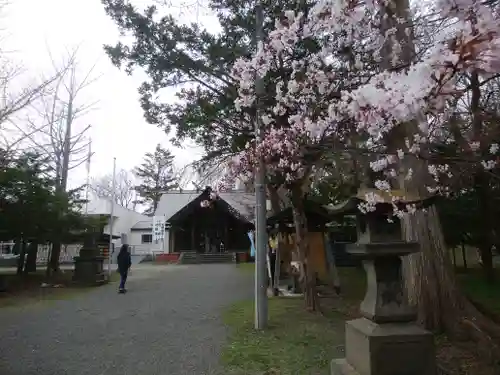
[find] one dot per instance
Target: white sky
(118, 127)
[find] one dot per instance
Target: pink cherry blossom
(323, 97)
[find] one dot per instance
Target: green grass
(295, 342)
(246, 267)
(479, 291)
(302, 343)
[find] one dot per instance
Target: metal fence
(141, 249)
(68, 252)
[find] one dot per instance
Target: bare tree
(51, 127)
(52, 123)
(19, 91)
(13, 101)
(124, 192)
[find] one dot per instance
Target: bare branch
(53, 129)
(124, 193)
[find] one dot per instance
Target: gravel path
(169, 323)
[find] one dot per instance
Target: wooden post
(226, 237)
(207, 242)
(172, 240)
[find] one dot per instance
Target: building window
(147, 238)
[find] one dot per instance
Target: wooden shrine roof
(316, 215)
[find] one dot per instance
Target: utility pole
(260, 196)
(111, 217)
(87, 185)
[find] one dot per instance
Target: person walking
(124, 263)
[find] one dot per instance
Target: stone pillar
(386, 340)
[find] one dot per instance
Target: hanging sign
(158, 228)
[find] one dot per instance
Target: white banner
(158, 228)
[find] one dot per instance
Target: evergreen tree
(173, 54)
(157, 175)
(31, 208)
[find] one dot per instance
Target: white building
(141, 238)
(137, 229)
(123, 219)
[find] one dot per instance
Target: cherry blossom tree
(346, 74)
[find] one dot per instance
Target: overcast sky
(118, 127)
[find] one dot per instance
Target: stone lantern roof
(385, 201)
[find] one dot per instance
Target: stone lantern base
(387, 340)
(90, 270)
(386, 349)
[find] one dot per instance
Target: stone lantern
(89, 264)
(387, 339)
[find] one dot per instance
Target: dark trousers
(123, 279)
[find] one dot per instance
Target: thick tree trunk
(429, 275)
(30, 265)
(21, 250)
(53, 263)
(431, 283)
(432, 287)
(308, 275)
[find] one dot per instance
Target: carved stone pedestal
(386, 341)
(386, 349)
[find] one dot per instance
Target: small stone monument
(386, 340)
(89, 264)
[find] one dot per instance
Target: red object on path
(167, 258)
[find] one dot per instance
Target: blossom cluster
(363, 71)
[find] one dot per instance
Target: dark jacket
(124, 259)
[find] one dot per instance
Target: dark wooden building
(213, 229)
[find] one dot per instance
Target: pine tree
(157, 175)
(205, 111)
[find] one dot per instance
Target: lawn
(302, 343)
(486, 295)
(295, 342)
(246, 267)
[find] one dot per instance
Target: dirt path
(168, 323)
